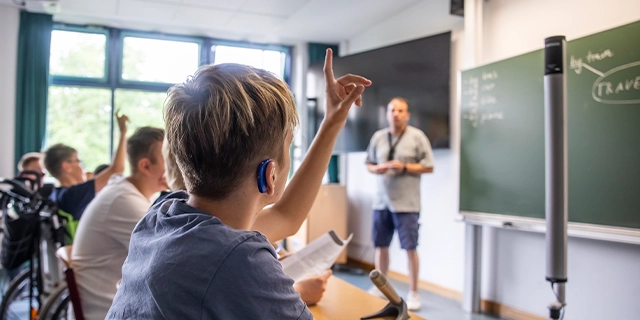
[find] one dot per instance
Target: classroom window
(144, 109)
(80, 117)
(269, 60)
(78, 54)
(86, 88)
(154, 60)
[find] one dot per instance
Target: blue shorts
(385, 222)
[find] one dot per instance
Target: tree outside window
(81, 109)
(81, 118)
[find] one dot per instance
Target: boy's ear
(66, 167)
(144, 165)
(270, 178)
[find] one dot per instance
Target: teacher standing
(398, 155)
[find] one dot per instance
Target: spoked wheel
(55, 308)
(16, 302)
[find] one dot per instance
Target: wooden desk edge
(344, 301)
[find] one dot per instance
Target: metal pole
(556, 207)
(472, 268)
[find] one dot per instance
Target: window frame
(153, 36)
(59, 79)
(114, 55)
(287, 50)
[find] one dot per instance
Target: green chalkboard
(502, 132)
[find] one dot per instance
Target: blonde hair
(223, 121)
(29, 158)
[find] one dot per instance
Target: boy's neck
(143, 185)
(237, 210)
(68, 181)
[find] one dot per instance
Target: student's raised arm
(285, 216)
(117, 165)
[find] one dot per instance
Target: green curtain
(317, 53)
(34, 40)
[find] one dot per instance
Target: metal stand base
(394, 310)
(555, 311)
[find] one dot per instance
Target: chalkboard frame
(535, 224)
(574, 229)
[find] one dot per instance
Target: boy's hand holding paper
(315, 258)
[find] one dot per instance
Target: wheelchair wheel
(55, 308)
(16, 304)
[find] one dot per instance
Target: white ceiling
(274, 21)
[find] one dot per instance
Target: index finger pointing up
(328, 66)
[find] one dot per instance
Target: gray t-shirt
(185, 264)
(399, 192)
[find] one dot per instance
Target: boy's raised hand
(341, 93)
(122, 120)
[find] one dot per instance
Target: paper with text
(316, 257)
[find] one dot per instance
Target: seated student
(99, 169)
(75, 192)
(30, 169)
(230, 127)
(102, 240)
(310, 289)
(30, 173)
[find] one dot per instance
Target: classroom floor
(434, 307)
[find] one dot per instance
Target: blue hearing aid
(262, 176)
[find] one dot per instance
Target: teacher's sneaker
(413, 301)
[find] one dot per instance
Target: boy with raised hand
(229, 127)
(75, 191)
(312, 288)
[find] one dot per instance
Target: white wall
(515, 27)
(10, 17)
(603, 281)
(441, 237)
(427, 17)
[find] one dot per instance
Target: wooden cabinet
(329, 212)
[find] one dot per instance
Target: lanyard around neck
(392, 147)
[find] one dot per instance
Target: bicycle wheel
(55, 308)
(15, 302)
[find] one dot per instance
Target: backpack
(19, 230)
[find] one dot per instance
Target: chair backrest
(64, 254)
(71, 225)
